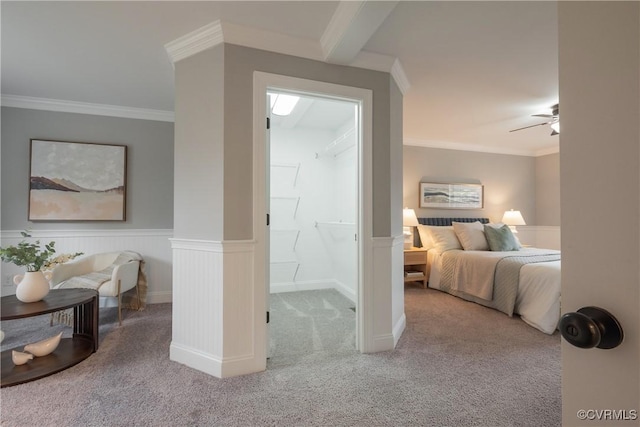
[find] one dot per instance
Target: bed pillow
(471, 235)
(501, 238)
(425, 237)
(443, 238)
(500, 224)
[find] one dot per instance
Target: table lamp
(513, 218)
(409, 221)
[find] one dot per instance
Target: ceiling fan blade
(549, 116)
(532, 126)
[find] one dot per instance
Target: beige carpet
(457, 364)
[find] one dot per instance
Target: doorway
(366, 339)
(313, 159)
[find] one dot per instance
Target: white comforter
(538, 297)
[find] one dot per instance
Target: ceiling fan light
(556, 128)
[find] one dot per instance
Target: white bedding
(538, 297)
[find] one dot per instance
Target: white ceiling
(475, 69)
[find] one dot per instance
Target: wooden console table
(70, 351)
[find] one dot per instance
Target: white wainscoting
(382, 250)
(398, 316)
(210, 334)
(153, 245)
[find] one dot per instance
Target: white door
(599, 46)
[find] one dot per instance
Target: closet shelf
(295, 166)
(291, 231)
(296, 198)
(339, 145)
(297, 264)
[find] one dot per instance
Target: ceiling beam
(352, 25)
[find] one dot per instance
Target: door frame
(262, 82)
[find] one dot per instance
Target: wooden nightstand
(415, 266)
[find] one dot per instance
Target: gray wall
(396, 158)
(239, 66)
(548, 189)
(199, 146)
(149, 165)
(509, 181)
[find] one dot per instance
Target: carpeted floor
(457, 364)
(304, 323)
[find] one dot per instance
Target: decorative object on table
(513, 218)
(77, 181)
(451, 196)
(409, 220)
(44, 347)
(20, 358)
(59, 259)
(33, 285)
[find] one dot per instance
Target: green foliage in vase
(30, 255)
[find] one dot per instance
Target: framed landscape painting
(451, 196)
(77, 181)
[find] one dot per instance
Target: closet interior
(314, 198)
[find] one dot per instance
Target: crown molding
(397, 71)
(270, 41)
(225, 32)
(194, 42)
(467, 147)
(547, 151)
(18, 101)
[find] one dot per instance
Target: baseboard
(398, 329)
(346, 291)
(152, 298)
(195, 359)
(159, 297)
(307, 285)
(382, 343)
(313, 285)
(212, 365)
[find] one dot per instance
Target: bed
(468, 263)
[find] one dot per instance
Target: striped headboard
(443, 222)
(448, 221)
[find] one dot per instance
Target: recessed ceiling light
(283, 105)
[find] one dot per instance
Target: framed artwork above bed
(451, 196)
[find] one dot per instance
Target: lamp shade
(409, 218)
(513, 218)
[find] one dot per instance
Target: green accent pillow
(501, 239)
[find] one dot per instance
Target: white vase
(32, 286)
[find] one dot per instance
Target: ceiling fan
(554, 121)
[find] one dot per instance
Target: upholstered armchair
(111, 274)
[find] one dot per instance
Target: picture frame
(77, 181)
(451, 195)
